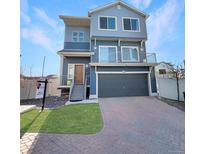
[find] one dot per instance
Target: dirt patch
(177, 104)
(50, 102)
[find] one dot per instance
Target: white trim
(78, 32)
(108, 47)
(107, 23)
(61, 68)
(149, 84)
(93, 96)
(123, 29)
(118, 3)
(123, 64)
(125, 72)
(76, 54)
(132, 47)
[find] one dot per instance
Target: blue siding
(119, 13)
(92, 81)
(153, 81)
(77, 45)
(75, 60)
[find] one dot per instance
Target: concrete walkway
(25, 108)
(132, 125)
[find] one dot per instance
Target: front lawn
(71, 119)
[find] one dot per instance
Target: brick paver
(141, 125)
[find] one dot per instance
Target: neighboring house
(165, 70)
(105, 54)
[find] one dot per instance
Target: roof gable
(115, 4)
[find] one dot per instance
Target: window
(107, 54)
(130, 54)
(131, 24)
(70, 71)
(78, 36)
(162, 71)
(107, 23)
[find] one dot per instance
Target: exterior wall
(92, 81)
(167, 88)
(119, 13)
(77, 45)
(70, 29)
(94, 58)
(69, 44)
(75, 60)
(153, 81)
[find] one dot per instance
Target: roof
(167, 63)
(118, 3)
(75, 20)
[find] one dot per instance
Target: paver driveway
(131, 125)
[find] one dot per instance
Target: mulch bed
(177, 104)
(50, 102)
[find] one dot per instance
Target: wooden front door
(79, 72)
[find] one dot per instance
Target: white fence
(167, 88)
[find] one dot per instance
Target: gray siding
(70, 29)
(123, 12)
(75, 60)
(94, 58)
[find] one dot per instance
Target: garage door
(117, 85)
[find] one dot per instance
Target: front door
(79, 72)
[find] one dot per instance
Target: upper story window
(131, 24)
(107, 54)
(130, 54)
(78, 36)
(107, 23)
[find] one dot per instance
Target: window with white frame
(131, 24)
(78, 36)
(130, 54)
(108, 23)
(70, 71)
(107, 54)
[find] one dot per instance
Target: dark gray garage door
(116, 85)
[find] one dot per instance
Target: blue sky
(42, 32)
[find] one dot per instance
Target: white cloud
(45, 18)
(24, 11)
(37, 36)
(162, 23)
(140, 4)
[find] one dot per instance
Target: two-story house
(105, 54)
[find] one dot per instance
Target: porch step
(77, 93)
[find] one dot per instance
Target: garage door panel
(116, 85)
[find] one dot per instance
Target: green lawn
(71, 119)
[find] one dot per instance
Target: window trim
(78, 36)
(138, 60)
(130, 24)
(107, 17)
(100, 46)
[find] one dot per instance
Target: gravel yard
(50, 102)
